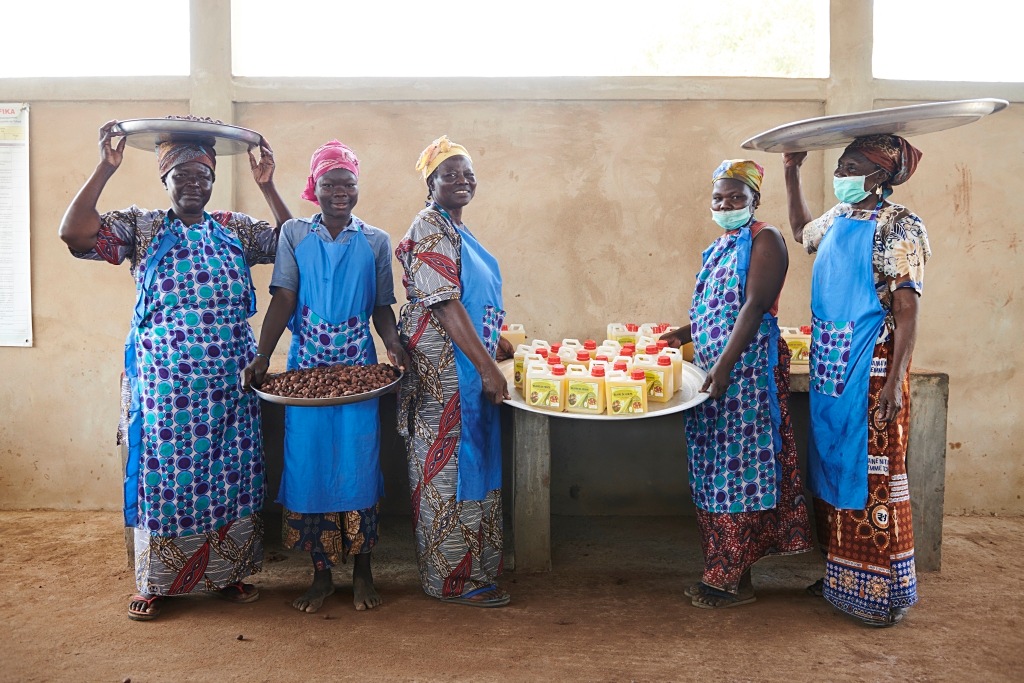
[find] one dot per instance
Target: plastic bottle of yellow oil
(658, 377)
(529, 361)
(547, 387)
(519, 364)
(626, 393)
(585, 389)
(515, 333)
(675, 357)
(622, 333)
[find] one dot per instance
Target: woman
(331, 276)
(194, 477)
(865, 287)
(742, 454)
(448, 409)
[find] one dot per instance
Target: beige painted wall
(597, 211)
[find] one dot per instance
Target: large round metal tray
(688, 397)
(323, 402)
(224, 138)
(826, 132)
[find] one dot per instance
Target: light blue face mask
(730, 220)
(850, 189)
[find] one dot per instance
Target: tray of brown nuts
(330, 385)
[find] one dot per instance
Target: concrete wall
(594, 197)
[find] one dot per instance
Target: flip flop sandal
(695, 590)
(732, 600)
(239, 592)
(467, 598)
(152, 610)
(895, 616)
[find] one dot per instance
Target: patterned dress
(194, 477)
(458, 543)
(742, 454)
(869, 553)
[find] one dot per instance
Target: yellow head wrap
(747, 172)
(436, 152)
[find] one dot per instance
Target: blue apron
(480, 433)
(332, 454)
(732, 441)
(846, 318)
(195, 459)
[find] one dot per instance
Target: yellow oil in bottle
(585, 390)
(657, 376)
(626, 393)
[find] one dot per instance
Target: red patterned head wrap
(171, 154)
(891, 152)
(327, 157)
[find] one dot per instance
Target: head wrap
(170, 154)
(327, 157)
(436, 152)
(747, 172)
(891, 152)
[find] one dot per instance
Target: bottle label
(517, 365)
(626, 400)
(655, 383)
(544, 393)
(583, 395)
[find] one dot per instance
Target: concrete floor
(611, 610)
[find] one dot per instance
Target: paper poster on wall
(15, 278)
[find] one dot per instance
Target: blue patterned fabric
(732, 441)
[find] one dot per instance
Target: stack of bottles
(614, 377)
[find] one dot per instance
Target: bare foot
(364, 595)
(321, 588)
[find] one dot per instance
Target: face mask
(850, 189)
(730, 220)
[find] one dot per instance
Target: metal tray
(826, 132)
(226, 139)
(688, 397)
(324, 402)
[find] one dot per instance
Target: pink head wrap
(327, 157)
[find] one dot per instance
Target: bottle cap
(583, 354)
(504, 328)
(542, 351)
(632, 327)
(652, 349)
(637, 374)
(558, 369)
(554, 360)
(620, 365)
(597, 371)
(601, 357)
(555, 347)
(664, 360)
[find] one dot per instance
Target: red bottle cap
(542, 352)
(583, 354)
(602, 357)
(558, 370)
(590, 344)
(504, 328)
(805, 329)
(555, 347)
(554, 360)
(652, 349)
(664, 360)
(632, 327)
(620, 365)
(597, 371)
(661, 344)
(638, 374)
